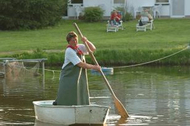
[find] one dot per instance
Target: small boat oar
(121, 110)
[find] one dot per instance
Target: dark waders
(73, 86)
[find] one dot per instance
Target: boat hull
(67, 115)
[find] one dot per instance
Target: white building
(163, 8)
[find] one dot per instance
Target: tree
(30, 14)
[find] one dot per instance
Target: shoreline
(129, 58)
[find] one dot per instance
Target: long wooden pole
(121, 110)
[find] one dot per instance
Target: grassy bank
(120, 48)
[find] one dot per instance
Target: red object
(113, 15)
(119, 15)
(76, 49)
(116, 16)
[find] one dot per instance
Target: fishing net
(18, 69)
(1, 69)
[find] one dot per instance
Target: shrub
(128, 16)
(93, 14)
(30, 14)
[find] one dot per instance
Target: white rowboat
(67, 115)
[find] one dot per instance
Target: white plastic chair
(148, 24)
(138, 10)
(157, 10)
(78, 10)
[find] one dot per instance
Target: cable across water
(140, 64)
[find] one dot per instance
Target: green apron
(73, 86)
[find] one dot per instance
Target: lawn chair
(113, 25)
(157, 11)
(146, 24)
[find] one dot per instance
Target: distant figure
(115, 18)
(118, 19)
(146, 13)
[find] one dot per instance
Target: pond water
(155, 96)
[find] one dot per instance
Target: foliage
(128, 17)
(53, 58)
(30, 14)
(93, 14)
(111, 57)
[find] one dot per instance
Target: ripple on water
(16, 123)
(114, 120)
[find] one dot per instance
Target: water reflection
(38, 123)
(114, 120)
(152, 96)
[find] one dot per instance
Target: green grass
(169, 36)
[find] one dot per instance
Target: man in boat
(73, 85)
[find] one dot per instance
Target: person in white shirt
(73, 84)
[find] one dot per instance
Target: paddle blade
(121, 121)
(121, 110)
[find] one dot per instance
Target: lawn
(168, 36)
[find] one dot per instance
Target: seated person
(149, 17)
(146, 17)
(115, 18)
(147, 14)
(118, 19)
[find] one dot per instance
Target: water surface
(156, 96)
